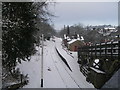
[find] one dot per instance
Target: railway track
(64, 67)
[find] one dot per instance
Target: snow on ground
(58, 77)
(32, 68)
(56, 73)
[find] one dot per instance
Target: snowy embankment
(55, 72)
(32, 68)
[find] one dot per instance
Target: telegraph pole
(42, 62)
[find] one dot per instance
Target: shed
(74, 44)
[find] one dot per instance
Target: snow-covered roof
(82, 38)
(74, 40)
(68, 38)
(65, 36)
(78, 36)
(109, 28)
(97, 70)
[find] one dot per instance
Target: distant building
(80, 37)
(107, 31)
(66, 39)
(74, 44)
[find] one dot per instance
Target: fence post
(118, 50)
(91, 51)
(100, 50)
(111, 50)
(105, 50)
(21, 77)
(95, 51)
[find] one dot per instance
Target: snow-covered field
(56, 73)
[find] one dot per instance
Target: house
(74, 44)
(107, 31)
(80, 37)
(66, 39)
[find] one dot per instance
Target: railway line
(69, 73)
(59, 70)
(56, 74)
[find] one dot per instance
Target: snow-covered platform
(71, 59)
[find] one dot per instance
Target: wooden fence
(101, 60)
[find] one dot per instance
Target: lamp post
(42, 62)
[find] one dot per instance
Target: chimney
(68, 31)
(64, 27)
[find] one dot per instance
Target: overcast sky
(87, 13)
